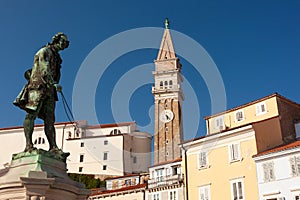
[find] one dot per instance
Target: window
(105, 155)
(81, 158)
(295, 165)
(170, 84)
(166, 84)
(105, 142)
(80, 169)
(268, 169)
(237, 189)
(239, 116)
(104, 167)
(134, 159)
(159, 175)
(39, 140)
(172, 195)
(115, 132)
(82, 144)
(155, 196)
(128, 182)
(204, 192)
(161, 85)
(69, 134)
(261, 108)
(219, 123)
(202, 160)
(234, 152)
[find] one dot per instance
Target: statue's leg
(49, 119)
(28, 130)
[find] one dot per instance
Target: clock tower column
(168, 97)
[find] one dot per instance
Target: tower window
(170, 84)
(161, 85)
(82, 144)
(166, 84)
(104, 167)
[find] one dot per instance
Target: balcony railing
(165, 181)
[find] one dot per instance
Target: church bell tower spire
(168, 97)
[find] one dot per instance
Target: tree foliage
(88, 180)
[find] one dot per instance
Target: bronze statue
(39, 95)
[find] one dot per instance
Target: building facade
(166, 181)
(219, 165)
(102, 150)
(278, 172)
(131, 186)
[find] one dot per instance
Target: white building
(278, 172)
(106, 150)
(131, 186)
(166, 181)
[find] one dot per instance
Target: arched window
(115, 132)
(170, 84)
(39, 140)
(166, 84)
(161, 85)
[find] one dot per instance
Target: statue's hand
(58, 87)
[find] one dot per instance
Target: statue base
(39, 175)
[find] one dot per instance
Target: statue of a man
(39, 95)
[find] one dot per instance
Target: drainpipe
(186, 173)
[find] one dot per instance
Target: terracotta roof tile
(133, 187)
(167, 162)
(280, 148)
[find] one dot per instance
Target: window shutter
(202, 159)
(298, 165)
(293, 166)
(206, 193)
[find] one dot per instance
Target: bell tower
(168, 97)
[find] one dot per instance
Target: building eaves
(120, 190)
(251, 103)
(279, 148)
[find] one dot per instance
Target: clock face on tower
(166, 116)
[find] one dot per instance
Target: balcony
(165, 181)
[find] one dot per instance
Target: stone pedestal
(39, 175)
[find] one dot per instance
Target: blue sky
(255, 46)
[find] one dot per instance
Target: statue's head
(60, 40)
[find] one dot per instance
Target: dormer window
(239, 116)
(219, 123)
(261, 108)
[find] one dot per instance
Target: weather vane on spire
(167, 23)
